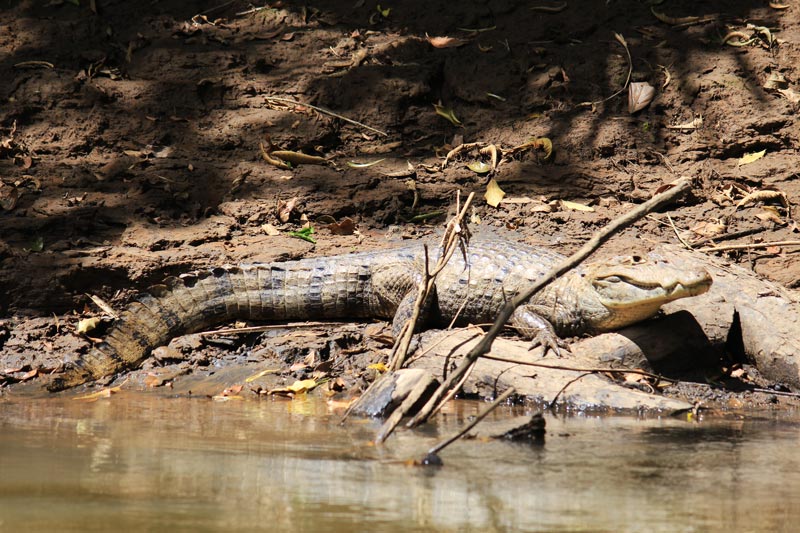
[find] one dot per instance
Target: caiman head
(633, 288)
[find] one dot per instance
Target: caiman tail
(192, 302)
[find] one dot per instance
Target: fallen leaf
(8, 197)
(87, 324)
(445, 42)
(346, 226)
(102, 393)
(746, 159)
(261, 374)
(297, 158)
(479, 167)
(790, 94)
(232, 390)
(691, 125)
(304, 234)
(298, 387)
(494, 194)
(574, 206)
(708, 229)
(270, 230)
(380, 367)
(640, 94)
(776, 81)
(447, 113)
(285, 208)
(353, 164)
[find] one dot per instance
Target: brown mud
(130, 133)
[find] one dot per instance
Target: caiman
(593, 298)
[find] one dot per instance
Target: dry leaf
(270, 230)
(494, 194)
(445, 42)
(790, 94)
(574, 206)
(479, 167)
(776, 81)
(640, 94)
(285, 208)
(298, 387)
(708, 229)
(102, 393)
(380, 367)
(447, 113)
(297, 158)
(346, 226)
(746, 159)
(87, 324)
(8, 197)
(691, 125)
(769, 213)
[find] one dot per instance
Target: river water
(145, 463)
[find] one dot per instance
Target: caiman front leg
(538, 330)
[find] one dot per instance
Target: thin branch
(591, 370)
(677, 233)
(327, 112)
(484, 345)
(751, 246)
(448, 247)
(552, 402)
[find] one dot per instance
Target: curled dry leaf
(640, 94)
(9, 195)
(761, 196)
(447, 113)
(298, 158)
(272, 161)
(285, 208)
(445, 42)
(492, 151)
(776, 81)
(494, 194)
(479, 167)
(346, 226)
(675, 21)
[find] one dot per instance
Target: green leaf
(304, 234)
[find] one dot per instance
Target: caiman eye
(612, 279)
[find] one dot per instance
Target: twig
(485, 344)
(447, 442)
(448, 247)
(327, 112)
(259, 329)
(591, 370)
(621, 40)
(552, 402)
(217, 8)
(729, 236)
(751, 246)
(777, 392)
(677, 234)
(252, 10)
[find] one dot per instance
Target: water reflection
(142, 462)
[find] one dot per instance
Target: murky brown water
(139, 462)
